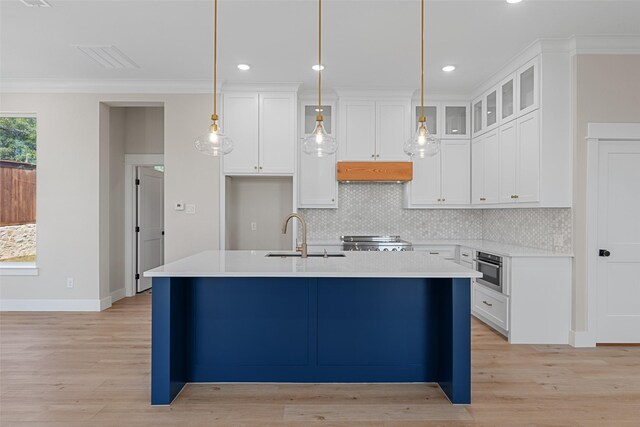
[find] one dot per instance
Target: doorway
(618, 238)
(149, 222)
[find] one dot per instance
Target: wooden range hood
(375, 171)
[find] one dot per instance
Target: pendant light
(214, 142)
(319, 143)
(422, 144)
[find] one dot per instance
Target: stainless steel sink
(311, 254)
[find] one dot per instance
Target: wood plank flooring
(93, 369)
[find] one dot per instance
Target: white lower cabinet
(441, 180)
(446, 252)
(491, 306)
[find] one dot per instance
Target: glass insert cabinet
(445, 120)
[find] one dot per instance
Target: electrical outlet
(254, 226)
(70, 282)
(558, 240)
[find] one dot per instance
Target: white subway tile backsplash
(376, 209)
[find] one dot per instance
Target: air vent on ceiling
(35, 3)
(108, 56)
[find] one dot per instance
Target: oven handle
(488, 263)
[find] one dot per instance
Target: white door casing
(618, 275)
(150, 220)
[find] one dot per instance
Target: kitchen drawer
(491, 306)
(466, 254)
(447, 252)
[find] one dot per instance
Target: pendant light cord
(320, 60)
(215, 59)
(422, 65)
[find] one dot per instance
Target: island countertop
(353, 264)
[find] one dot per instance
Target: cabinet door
(240, 123)
(528, 164)
(317, 185)
(507, 99)
(432, 114)
(456, 121)
(508, 162)
(277, 133)
(491, 167)
(455, 173)
(528, 90)
(393, 123)
(425, 186)
(478, 116)
(357, 130)
(491, 110)
(477, 171)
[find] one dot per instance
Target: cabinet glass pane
(456, 120)
(431, 113)
(477, 116)
(526, 88)
(492, 108)
(310, 113)
(507, 99)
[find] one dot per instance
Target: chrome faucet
(303, 247)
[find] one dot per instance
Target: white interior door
(619, 235)
(150, 223)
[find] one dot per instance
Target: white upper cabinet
(456, 120)
(478, 116)
(277, 133)
(485, 180)
(507, 99)
(456, 171)
(441, 180)
(317, 184)
(445, 120)
(491, 110)
(392, 130)
(520, 160)
(240, 123)
(528, 90)
(373, 129)
(262, 127)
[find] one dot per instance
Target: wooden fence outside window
(17, 193)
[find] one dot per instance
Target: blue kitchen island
(239, 316)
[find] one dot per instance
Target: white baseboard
(581, 339)
(117, 295)
(55, 304)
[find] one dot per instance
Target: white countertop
(496, 248)
(354, 264)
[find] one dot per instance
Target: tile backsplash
(376, 208)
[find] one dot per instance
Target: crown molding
(605, 45)
(106, 86)
(261, 87)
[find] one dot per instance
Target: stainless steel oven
(491, 268)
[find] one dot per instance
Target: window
(18, 162)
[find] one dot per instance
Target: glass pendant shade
(319, 143)
(214, 143)
(422, 144)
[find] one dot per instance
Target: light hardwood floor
(93, 369)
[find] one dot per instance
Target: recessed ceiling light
(448, 68)
(244, 67)
(513, 1)
(35, 3)
(318, 67)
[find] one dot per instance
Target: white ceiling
(367, 44)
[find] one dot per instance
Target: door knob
(604, 253)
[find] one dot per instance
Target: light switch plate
(190, 209)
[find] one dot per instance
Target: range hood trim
(374, 172)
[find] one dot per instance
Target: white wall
(144, 130)
(73, 217)
(607, 90)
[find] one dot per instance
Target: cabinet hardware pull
(333, 200)
(260, 168)
(482, 199)
(443, 200)
(255, 167)
(377, 155)
(516, 196)
(434, 253)
(465, 255)
(490, 305)
(373, 155)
